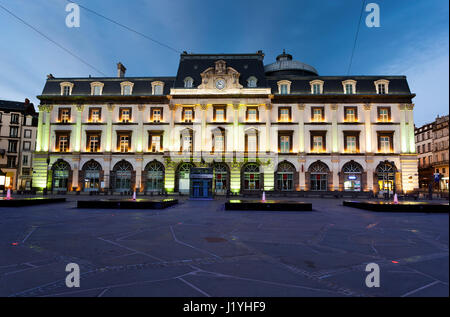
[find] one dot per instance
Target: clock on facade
(220, 84)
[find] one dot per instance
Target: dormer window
(66, 88)
(97, 88)
(157, 88)
(382, 86)
(188, 82)
(251, 82)
(316, 87)
(349, 87)
(126, 88)
(284, 87)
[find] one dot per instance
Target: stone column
(77, 146)
(107, 171)
(301, 129)
(139, 140)
(172, 108)
(39, 129)
(369, 171)
(301, 173)
(368, 128)
(76, 168)
(334, 129)
(267, 110)
(109, 117)
(203, 130)
(139, 161)
(46, 140)
(235, 127)
(403, 129)
(335, 169)
(410, 118)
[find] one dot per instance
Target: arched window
(386, 176)
(155, 176)
(352, 172)
(183, 175)
(92, 171)
(61, 170)
(252, 82)
(123, 170)
(285, 176)
(319, 176)
(221, 181)
(251, 176)
(188, 82)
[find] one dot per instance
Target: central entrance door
(201, 182)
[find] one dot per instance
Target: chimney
(50, 76)
(120, 70)
(27, 101)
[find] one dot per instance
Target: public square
(196, 248)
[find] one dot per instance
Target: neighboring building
(432, 141)
(277, 127)
(18, 125)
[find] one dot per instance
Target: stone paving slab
(197, 249)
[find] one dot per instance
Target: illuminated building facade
(18, 124)
(275, 127)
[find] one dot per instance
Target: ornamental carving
(220, 71)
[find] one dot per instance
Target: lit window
(382, 86)
(187, 143)
(95, 115)
(351, 144)
(156, 143)
(349, 86)
(125, 115)
(385, 144)
(317, 114)
(94, 143)
(350, 114)
(383, 115)
(156, 115)
(219, 143)
(63, 143)
(252, 143)
(65, 115)
(284, 144)
(252, 114)
(317, 145)
(124, 143)
(284, 115)
(220, 114)
(188, 115)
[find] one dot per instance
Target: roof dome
(286, 66)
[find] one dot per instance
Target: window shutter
(161, 148)
(151, 114)
(120, 114)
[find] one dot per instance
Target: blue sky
(413, 40)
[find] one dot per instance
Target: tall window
(351, 144)
(12, 146)
(187, 142)
(219, 114)
(14, 118)
(13, 132)
(94, 143)
(252, 114)
(348, 88)
(317, 114)
(124, 144)
(285, 144)
(158, 90)
(219, 142)
(156, 143)
(381, 89)
(156, 115)
(26, 145)
(385, 144)
(64, 115)
(251, 177)
(350, 114)
(317, 145)
(284, 115)
(63, 143)
(252, 142)
(25, 160)
(97, 91)
(125, 115)
(188, 115)
(317, 89)
(66, 90)
(188, 82)
(384, 114)
(283, 89)
(127, 90)
(95, 114)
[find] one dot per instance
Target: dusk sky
(413, 40)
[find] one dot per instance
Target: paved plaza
(196, 248)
